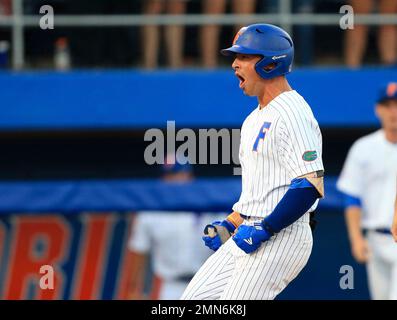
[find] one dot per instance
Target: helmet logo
(278, 57)
(391, 89)
(239, 33)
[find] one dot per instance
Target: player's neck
(272, 89)
(391, 135)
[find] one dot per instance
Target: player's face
(244, 67)
(387, 113)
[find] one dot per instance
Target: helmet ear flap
(271, 66)
(263, 70)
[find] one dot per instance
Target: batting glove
(217, 233)
(250, 238)
(213, 243)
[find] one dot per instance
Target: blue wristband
(267, 227)
(228, 225)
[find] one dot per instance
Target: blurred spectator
(4, 54)
(356, 39)
(304, 34)
(5, 7)
(368, 181)
(209, 36)
(62, 54)
(170, 243)
(5, 10)
(101, 46)
(174, 34)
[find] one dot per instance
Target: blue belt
(379, 230)
(184, 277)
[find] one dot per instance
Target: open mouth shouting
(241, 78)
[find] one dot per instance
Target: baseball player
(168, 242)
(394, 225)
(368, 181)
(267, 240)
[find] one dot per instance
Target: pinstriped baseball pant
(231, 274)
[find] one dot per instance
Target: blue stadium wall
(132, 99)
(82, 228)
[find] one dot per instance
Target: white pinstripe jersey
(278, 143)
(369, 174)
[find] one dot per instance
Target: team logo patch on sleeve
(310, 156)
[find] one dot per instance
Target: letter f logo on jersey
(261, 134)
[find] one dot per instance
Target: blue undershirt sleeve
(349, 201)
(296, 202)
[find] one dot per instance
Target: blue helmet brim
(238, 49)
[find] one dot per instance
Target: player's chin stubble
(251, 91)
(248, 91)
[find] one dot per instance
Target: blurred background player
(167, 244)
(356, 39)
(174, 34)
(368, 180)
(394, 225)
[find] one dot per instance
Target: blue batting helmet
(176, 163)
(387, 92)
(271, 42)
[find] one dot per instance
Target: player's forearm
(395, 210)
(395, 217)
(395, 213)
(353, 222)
